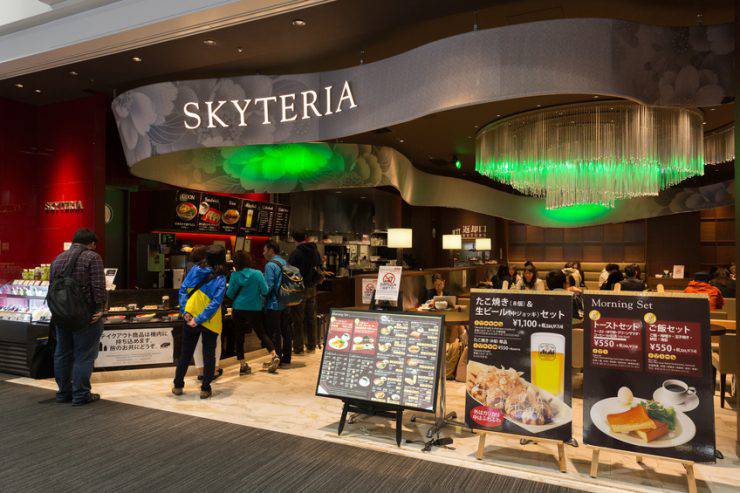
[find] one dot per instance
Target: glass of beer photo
(548, 362)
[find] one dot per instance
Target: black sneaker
(91, 399)
(244, 369)
(218, 373)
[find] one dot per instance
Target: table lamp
(400, 238)
(452, 242)
(483, 245)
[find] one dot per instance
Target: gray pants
(303, 317)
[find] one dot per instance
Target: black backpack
(291, 290)
(69, 307)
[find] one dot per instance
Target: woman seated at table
(529, 280)
(503, 274)
(615, 277)
(439, 288)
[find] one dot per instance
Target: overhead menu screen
(280, 224)
(383, 357)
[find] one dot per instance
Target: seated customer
(632, 282)
(502, 274)
(557, 281)
(605, 273)
(615, 277)
(724, 282)
(439, 288)
(529, 280)
(701, 285)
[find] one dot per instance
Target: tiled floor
(286, 402)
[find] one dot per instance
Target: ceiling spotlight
(73, 73)
(18, 85)
(703, 123)
(712, 109)
(539, 106)
(299, 23)
(456, 161)
(239, 49)
(400, 140)
(209, 42)
(596, 97)
(498, 116)
(137, 59)
(37, 91)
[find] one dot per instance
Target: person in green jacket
(247, 289)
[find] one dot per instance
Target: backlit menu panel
(390, 358)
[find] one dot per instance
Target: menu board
(519, 373)
(647, 381)
(231, 208)
(250, 213)
(210, 211)
(266, 218)
(186, 210)
(280, 223)
(382, 357)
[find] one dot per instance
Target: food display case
(24, 301)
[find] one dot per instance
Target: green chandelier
(592, 153)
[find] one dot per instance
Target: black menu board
(383, 357)
(647, 377)
(185, 216)
(282, 216)
(266, 218)
(232, 211)
(210, 211)
(519, 363)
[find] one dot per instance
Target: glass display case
(24, 300)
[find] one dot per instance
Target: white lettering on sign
(305, 104)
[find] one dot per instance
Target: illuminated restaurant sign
(64, 205)
(283, 108)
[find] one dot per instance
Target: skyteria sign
(282, 108)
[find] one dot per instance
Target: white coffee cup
(676, 391)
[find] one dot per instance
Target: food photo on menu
(382, 358)
(647, 376)
(517, 378)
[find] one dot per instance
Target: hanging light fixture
(719, 146)
(592, 153)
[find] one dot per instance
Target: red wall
(49, 153)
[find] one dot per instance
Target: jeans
(278, 326)
(74, 357)
(190, 337)
(305, 330)
(244, 322)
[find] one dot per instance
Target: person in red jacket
(701, 285)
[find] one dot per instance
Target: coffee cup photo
(676, 391)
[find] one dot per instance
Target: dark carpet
(109, 446)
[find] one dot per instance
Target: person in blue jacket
(247, 289)
(276, 313)
(200, 296)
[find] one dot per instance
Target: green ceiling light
(592, 153)
(458, 164)
(281, 165)
(576, 214)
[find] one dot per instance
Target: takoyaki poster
(382, 357)
(519, 373)
(647, 378)
(186, 210)
(210, 213)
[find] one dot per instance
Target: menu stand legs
(343, 419)
(690, 478)
(399, 426)
(481, 446)
(594, 463)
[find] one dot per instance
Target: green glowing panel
(282, 164)
(575, 213)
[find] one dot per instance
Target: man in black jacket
(632, 282)
(308, 260)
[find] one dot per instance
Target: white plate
(689, 404)
(564, 416)
(684, 431)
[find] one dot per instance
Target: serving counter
(415, 283)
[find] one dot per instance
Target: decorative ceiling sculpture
(719, 146)
(658, 65)
(323, 166)
(592, 153)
